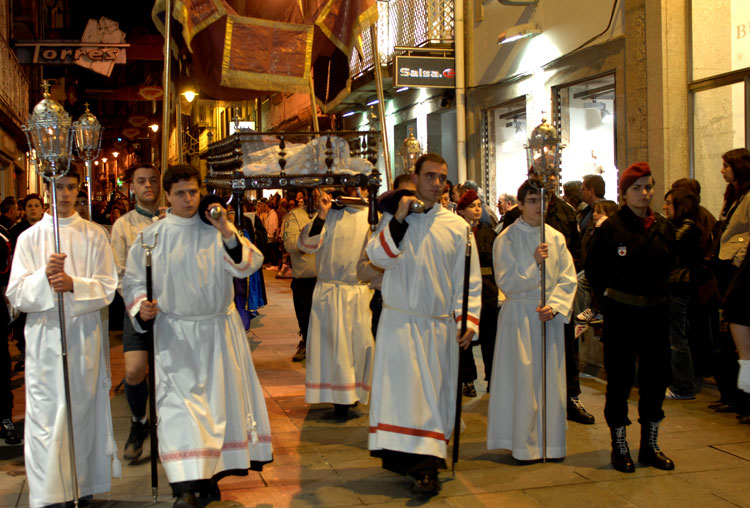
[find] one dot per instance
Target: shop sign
(102, 45)
(425, 72)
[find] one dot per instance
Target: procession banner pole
(381, 105)
(543, 302)
(464, 317)
(151, 373)
(166, 87)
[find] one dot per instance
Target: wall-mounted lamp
(154, 127)
(519, 32)
(605, 114)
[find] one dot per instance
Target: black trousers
(376, 306)
(302, 295)
(635, 334)
(571, 360)
(488, 335)
(6, 395)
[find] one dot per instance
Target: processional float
(543, 155)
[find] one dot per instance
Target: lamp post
(88, 136)
(115, 155)
(49, 132)
(543, 155)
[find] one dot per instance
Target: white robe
(211, 409)
(416, 361)
(339, 335)
(514, 419)
(90, 264)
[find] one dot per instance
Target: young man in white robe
(515, 416)
(212, 414)
(413, 400)
(85, 273)
(144, 181)
(339, 338)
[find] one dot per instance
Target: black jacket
(485, 240)
(625, 256)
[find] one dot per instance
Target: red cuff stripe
(384, 243)
(468, 318)
(408, 431)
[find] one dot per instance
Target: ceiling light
(372, 102)
(519, 32)
(402, 89)
(350, 113)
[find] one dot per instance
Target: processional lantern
(543, 153)
(49, 132)
(410, 151)
(88, 138)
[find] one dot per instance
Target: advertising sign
(425, 72)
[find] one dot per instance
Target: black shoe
(186, 500)
(20, 364)
(469, 390)
(210, 494)
(578, 413)
(9, 433)
(621, 459)
(650, 454)
(134, 445)
(426, 485)
(300, 354)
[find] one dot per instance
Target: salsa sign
(425, 72)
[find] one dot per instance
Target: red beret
(468, 198)
(633, 173)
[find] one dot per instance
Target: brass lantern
(49, 133)
(410, 151)
(543, 155)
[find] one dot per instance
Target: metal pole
(165, 87)
(464, 324)
(88, 186)
(151, 374)
(313, 106)
(64, 345)
(381, 105)
(544, 331)
(460, 92)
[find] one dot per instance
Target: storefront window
(586, 119)
(720, 35)
(718, 126)
(506, 157)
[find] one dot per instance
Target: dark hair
(595, 183)
(690, 184)
(400, 179)
(82, 194)
(29, 197)
(525, 189)
(739, 160)
(8, 204)
(132, 169)
(608, 208)
(428, 157)
(685, 204)
(174, 174)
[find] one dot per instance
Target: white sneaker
(589, 315)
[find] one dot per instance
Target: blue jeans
(683, 381)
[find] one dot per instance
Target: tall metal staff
(464, 317)
(49, 134)
(543, 152)
(88, 136)
(151, 372)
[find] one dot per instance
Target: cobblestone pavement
(320, 463)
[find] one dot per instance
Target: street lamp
(88, 134)
(49, 132)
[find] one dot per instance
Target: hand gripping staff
(151, 371)
(464, 315)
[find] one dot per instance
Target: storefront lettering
(407, 72)
(94, 54)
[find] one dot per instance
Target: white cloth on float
(211, 407)
(412, 407)
(514, 417)
(340, 346)
(90, 264)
